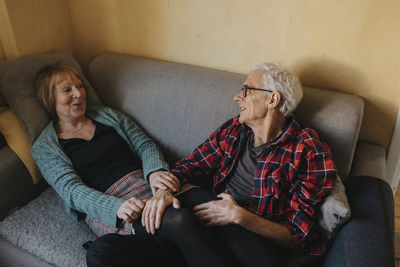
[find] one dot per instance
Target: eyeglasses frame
(245, 88)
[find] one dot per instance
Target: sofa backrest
(179, 105)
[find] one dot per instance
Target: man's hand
(227, 211)
(155, 207)
(218, 212)
(163, 180)
(130, 209)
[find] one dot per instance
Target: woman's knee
(178, 219)
(179, 216)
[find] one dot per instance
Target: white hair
(278, 79)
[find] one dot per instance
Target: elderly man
(268, 174)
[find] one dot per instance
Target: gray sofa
(179, 106)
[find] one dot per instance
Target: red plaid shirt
(292, 177)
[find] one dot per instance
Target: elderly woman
(97, 159)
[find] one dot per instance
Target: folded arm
(316, 176)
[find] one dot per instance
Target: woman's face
(70, 98)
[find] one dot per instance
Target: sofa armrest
(16, 186)
(369, 160)
(368, 237)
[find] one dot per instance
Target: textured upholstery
(180, 105)
(53, 235)
(337, 117)
(368, 238)
(175, 103)
(369, 161)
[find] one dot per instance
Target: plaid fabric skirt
(131, 185)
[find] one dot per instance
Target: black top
(103, 160)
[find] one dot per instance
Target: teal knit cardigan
(58, 171)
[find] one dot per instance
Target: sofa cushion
(18, 141)
(337, 117)
(17, 84)
(180, 105)
(49, 233)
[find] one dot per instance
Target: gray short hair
(278, 79)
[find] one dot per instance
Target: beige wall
(345, 45)
(40, 26)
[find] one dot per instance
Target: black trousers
(182, 240)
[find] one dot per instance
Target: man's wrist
(156, 189)
(164, 192)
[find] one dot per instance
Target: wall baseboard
(393, 157)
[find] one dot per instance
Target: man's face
(253, 107)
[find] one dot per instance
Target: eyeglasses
(245, 88)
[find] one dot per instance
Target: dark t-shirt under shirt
(103, 160)
(241, 181)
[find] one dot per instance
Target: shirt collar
(290, 130)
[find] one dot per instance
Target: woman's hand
(155, 207)
(163, 180)
(218, 212)
(130, 209)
